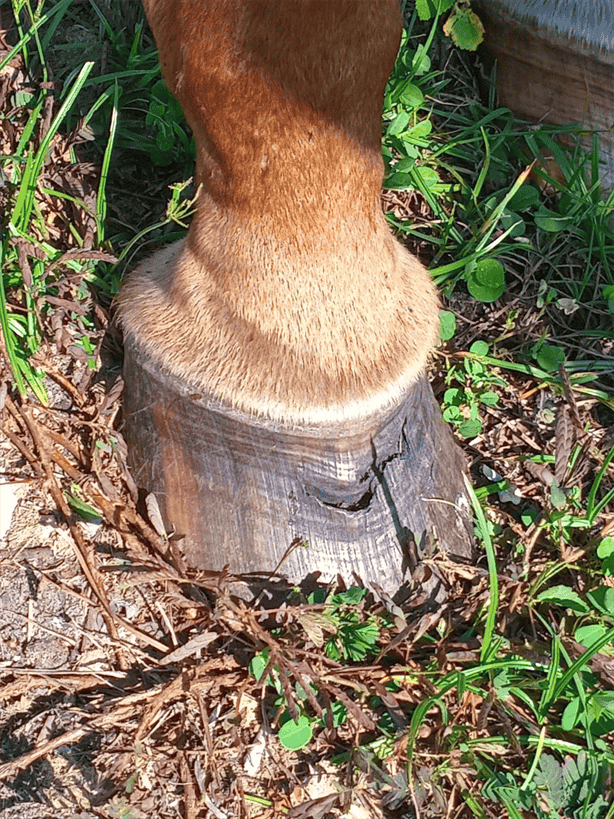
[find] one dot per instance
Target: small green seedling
(461, 403)
(447, 325)
(605, 551)
(485, 279)
(572, 788)
(353, 637)
(85, 510)
(549, 357)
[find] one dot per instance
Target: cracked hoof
(364, 495)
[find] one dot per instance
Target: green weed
(491, 215)
(128, 109)
(475, 386)
(471, 164)
(352, 636)
(346, 633)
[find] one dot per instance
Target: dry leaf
(565, 438)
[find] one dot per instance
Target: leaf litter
(124, 676)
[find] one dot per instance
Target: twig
(15, 765)
(108, 720)
(190, 800)
(79, 542)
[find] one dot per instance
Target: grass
(501, 703)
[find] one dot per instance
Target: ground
(125, 681)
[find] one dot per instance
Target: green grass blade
(484, 169)
(25, 200)
(548, 695)
(103, 20)
(58, 10)
(488, 646)
(24, 139)
(581, 662)
(33, 380)
(101, 202)
(416, 721)
(25, 191)
(602, 504)
(7, 333)
(593, 509)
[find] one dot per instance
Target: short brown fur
(289, 299)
